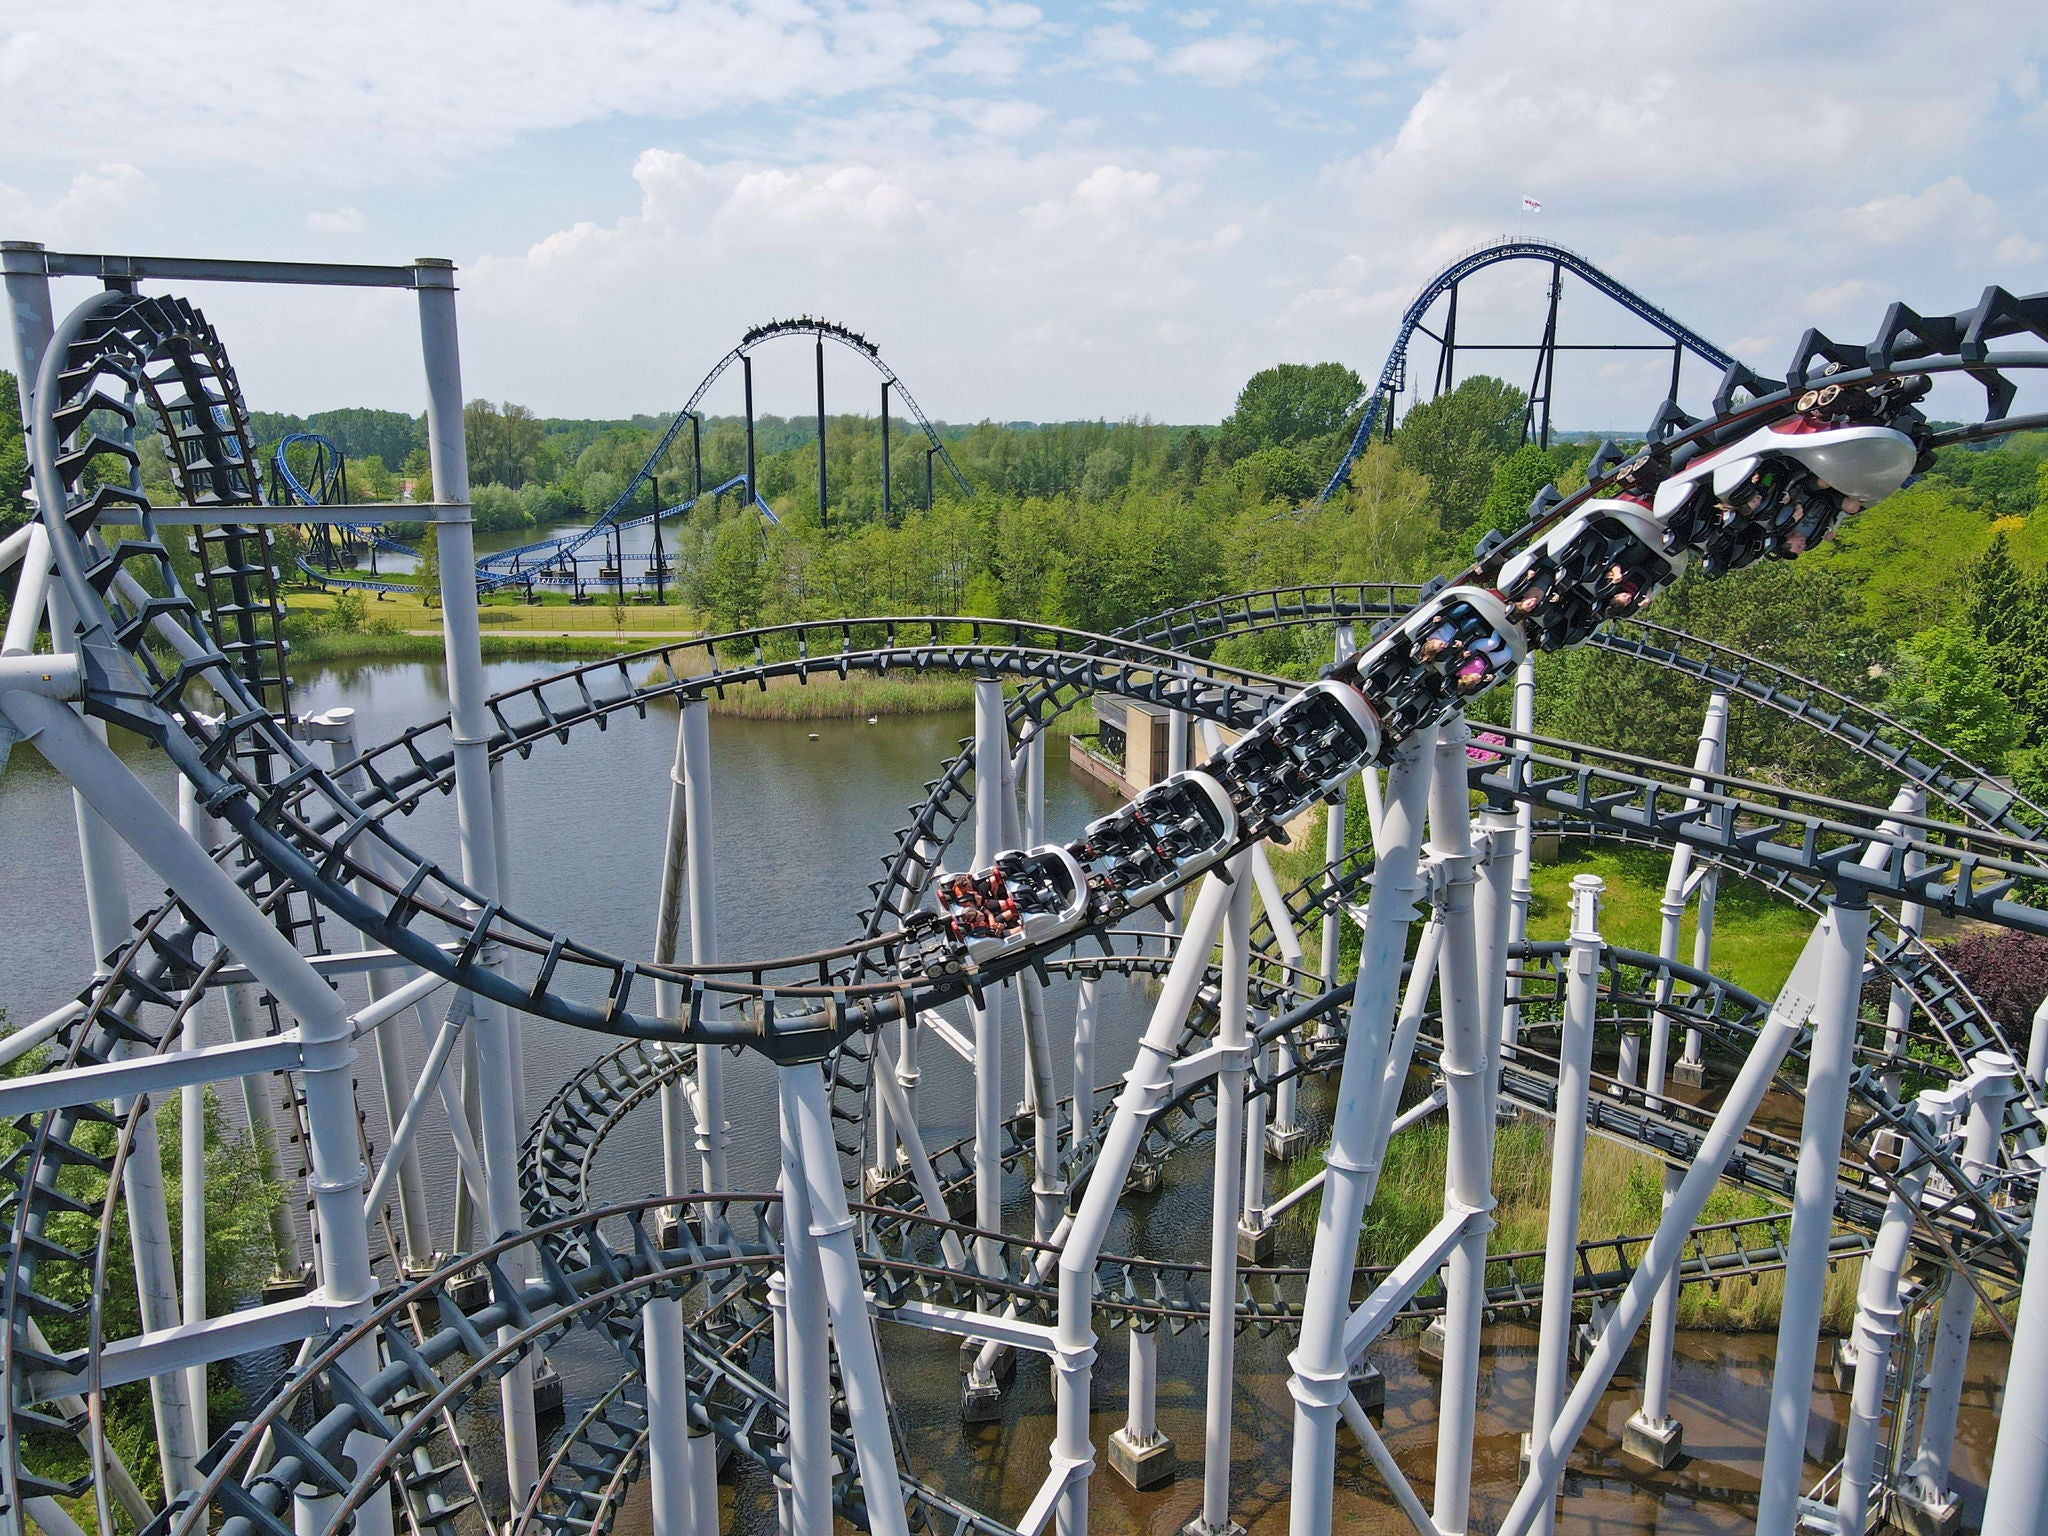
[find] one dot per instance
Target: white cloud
(1232, 60)
(91, 203)
(1117, 45)
(342, 221)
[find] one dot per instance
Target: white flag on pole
(1530, 205)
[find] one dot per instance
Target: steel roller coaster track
(151, 662)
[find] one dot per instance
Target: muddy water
(802, 824)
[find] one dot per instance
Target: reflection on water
(802, 826)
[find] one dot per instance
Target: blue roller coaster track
(1392, 376)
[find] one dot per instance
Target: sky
(1039, 212)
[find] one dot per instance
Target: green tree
(418, 472)
(1290, 406)
(1455, 441)
(1946, 685)
(427, 574)
(1277, 474)
(1516, 480)
(504, 443)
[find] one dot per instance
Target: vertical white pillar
(1567, 1167)
(1084, 1065)
(2017, 1492)
(1522, 891)
(1991, 1088)
(1320, 1380)
(496, 1032)
(1470, 1055)
(991, 751)
(1877, 1327)
(807, 1378)
(1813, 1209)
(1232, 1039)
(701, 867)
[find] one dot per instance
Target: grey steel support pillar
(324, 1028)
(1934, 1504)
(885, 450)
(337, 728)
(1567, 1167)
(1233, 1046)
(1493, 909)
(802, 1352)
(1652, 1435)
(1147, 1086)
(1177, 727)
(1877, 1327)
(1321, 1378)
(1522, 891)
(821, 432)
(192, 1172)
(747, 378)
(496, 1033)
(829, 1230)
(2017, 1492)
(1470, 1064)
(678, 1113)
(1813, 1211)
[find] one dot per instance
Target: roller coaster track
(824, 330)
(150, 663)
(1395, 371)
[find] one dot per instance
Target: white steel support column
(1912, 923)
(675, 1480)
(1041, 1098)
(1521, 890)
(1254, 1227)
(991, 752)
(1146, 1086)
(1083, 1104)
(1333, 846)
(1470, 1054)
(1877, 1327)
(2017, 1491)
(337, 728)
(701, 866)
(1927, 1479)
(1177, 727)
(1493, 920)
(1321, 1378)
(496, 1032)
(803, 1353)
(142, 1176)
(1567, 1167)
(1232, 1042)
(1671, 907)
(830, 1228)
(1830, 1057)
(1141, 1455)
(324, 1028)
(1667, 1245)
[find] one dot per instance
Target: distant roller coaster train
(754, 1338)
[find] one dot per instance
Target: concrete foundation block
(1286, 1142)
(1430, 1346)
(1369, 1386)
(1200, 1527)
(284, 1287)
(1146, 1178)
(547, 1389)
(1690, 1074)
(1844, 1364)
(980, 1404)
(1142, 1466)
(471, 1292)
(1907, 1511)
(875, 1180)
(1654, 1443)
(1004, 1367)
(1254, 1244)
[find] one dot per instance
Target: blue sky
(1038, 211)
